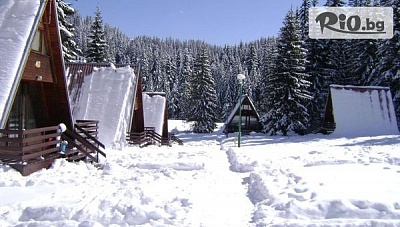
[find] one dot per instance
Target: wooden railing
(89, 126)
(138, 138)
(173, 138)
(83, 147)
(149, 136)
(83, 142)
(34, 149)
(27, 146)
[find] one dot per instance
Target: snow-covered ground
(310, 180)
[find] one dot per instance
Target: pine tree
(335, 3)
(185, 89)
(387, 72)
(97, 46)
(363, 54)
(252, 84)
(203, 95)
(269, 60)
(288, 112)
(303, 18)
(69, 46)
(171, 88)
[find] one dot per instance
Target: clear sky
(217, 22)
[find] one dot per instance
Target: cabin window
(36, 41)
(246, 107)
(39, 43)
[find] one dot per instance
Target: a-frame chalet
(359, 111)
(33, 92)
(250, 117)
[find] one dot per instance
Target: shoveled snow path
(220, 199)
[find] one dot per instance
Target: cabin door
(27, 109)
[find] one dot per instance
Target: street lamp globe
(241, 78)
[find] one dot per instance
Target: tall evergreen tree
(269, 60)
(69, 46)
(387, 72)
(288, 112)
(185, 89)
(303, 18)
(203, 95)
(363, 53)
(171, 88)
(252, 84)
(97, 45)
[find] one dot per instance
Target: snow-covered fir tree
(288, 112)
(252, 84)
(203, 96)
(363, 53)
(269, 61)
(303, 18)
(185, 88)
(335, 3)
(97, 46)
(229, 92)
(387, 72)
(70, 48)
(171, 87)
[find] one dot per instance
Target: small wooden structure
(250, 118)
(154, 130)
(359, 111)
(33, 93)
(153, 115)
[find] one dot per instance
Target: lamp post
(241, 79)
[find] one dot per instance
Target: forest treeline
(287, 76)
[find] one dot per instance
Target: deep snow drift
(313, 180)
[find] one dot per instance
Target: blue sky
(217, 22)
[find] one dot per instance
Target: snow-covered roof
(363, 111)
(154, 105)
(18, 22)
(108, 95)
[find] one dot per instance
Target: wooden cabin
(250, 117)
(33, 95)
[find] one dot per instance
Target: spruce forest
(287, 76)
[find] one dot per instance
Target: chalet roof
(362, 110)
(18, 23)
(154, 107)
(108, 96)
(73, 68)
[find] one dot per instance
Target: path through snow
(223, 200)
